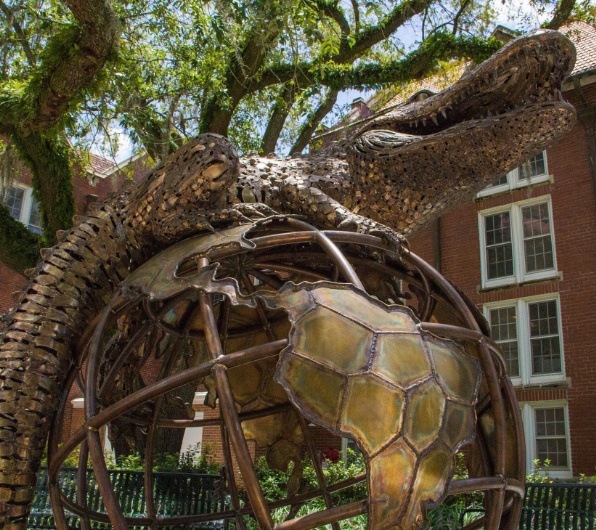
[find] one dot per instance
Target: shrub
(191, 461)
(540, 472)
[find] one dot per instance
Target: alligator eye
(214, 170)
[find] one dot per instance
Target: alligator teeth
(423, 122)
(443, 113)
(434, 119)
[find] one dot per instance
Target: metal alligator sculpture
(392, 176)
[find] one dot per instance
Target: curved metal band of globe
(498, 392)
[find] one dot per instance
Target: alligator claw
(257, 209)
(394, 241)
(348, 225)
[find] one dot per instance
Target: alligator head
(446, 148)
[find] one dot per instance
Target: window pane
(504, 331)
(499, 250)
(553, 450)
(498, 182)
(544, 338)
(551, 441)
(14, 202)
(498, 228)
(543, 318)
(535, 220)
(546, 358)
(533, 167)
(34, 218)
(538, 246)
(539, 254)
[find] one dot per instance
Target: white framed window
(517, 243)
(533, 171)
(528, 330)
(193, 436)
(23, 207)
(546, 427)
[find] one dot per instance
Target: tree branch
(73, 57)
(375, 34)
(166, 140)
(313, 122)
(330, 9)
(561, 14)
(278, 118)
(458, 15)
(356, 9)
(9, 14)
(217, 113)
(437, 47)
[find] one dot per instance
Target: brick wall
(574, 219)
(212, 440)
(10, 282)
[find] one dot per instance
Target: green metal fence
(175, 494)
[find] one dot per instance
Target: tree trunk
(278, 118)
(48, 158)
(313, 122)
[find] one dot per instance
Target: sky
(514, 14)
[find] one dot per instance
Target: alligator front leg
(323, 211)
(186, 224)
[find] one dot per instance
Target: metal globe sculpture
(285, 326)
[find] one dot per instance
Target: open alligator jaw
(526, 72)
(426, 157)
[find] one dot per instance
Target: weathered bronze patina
(390, 178)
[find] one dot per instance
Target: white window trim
(514, 182)
(27, 202)
(529, 420)
(192, 435)
(78, 403)
(517, 241)
(524, 341)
